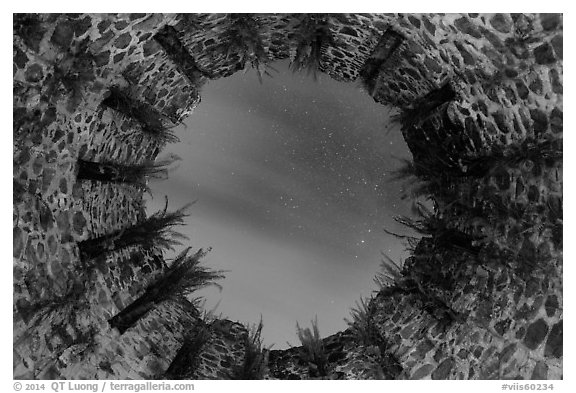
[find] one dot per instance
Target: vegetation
(168, 38)
(131, 174)
(545, 152)
(38, 311)
(431, 167)
(422, 108)
(386, 47)
(207, 316)
(181, 278)
(422, 169)
(313, 352)
(366, 334)
(253, 366)
(361, 324)
(367, 84)
(390, 272)
(71, 75)
(245, 41)
(186, 359)
(447, 182)
(48, 310)
(436, 227)
(316, 35)
(432, 173)
(69, 71)
(150, 120)
(154, 232)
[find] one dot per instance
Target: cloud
(277, 176)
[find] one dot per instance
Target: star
(302, 173)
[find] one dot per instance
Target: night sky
(291, 180)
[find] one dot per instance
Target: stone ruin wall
(504, 77)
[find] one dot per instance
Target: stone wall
(480, 99)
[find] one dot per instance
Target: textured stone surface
(471, 88)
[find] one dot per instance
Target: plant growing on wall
(49, 310)
(168, 37)
(424, 168)
(390, 272)
(532, 150)
(72, 74)
(183, 277)
(316, 36)
(431, 167)
(70, 71)
(433, 102)
(244, 41)
(151, 121)
(155, 232)
(365, 331)
(437, 228)
(429, 175)
(253, 364)
(387, 46)
(186, 360)
(34, 313)
(312, 351)
(130, 174)
(361, 324)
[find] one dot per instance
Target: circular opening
(291, 180)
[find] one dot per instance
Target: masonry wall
(469, 87)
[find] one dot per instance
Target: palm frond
(159, 227)
(182, 367)
(245, 42)
(137, 175)
(183, 277)
(361, 323)
(151, 122)
(313, 351)
(208, 316)
(157, 231)
(316, 36)
(253, 365)
(390, 272)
